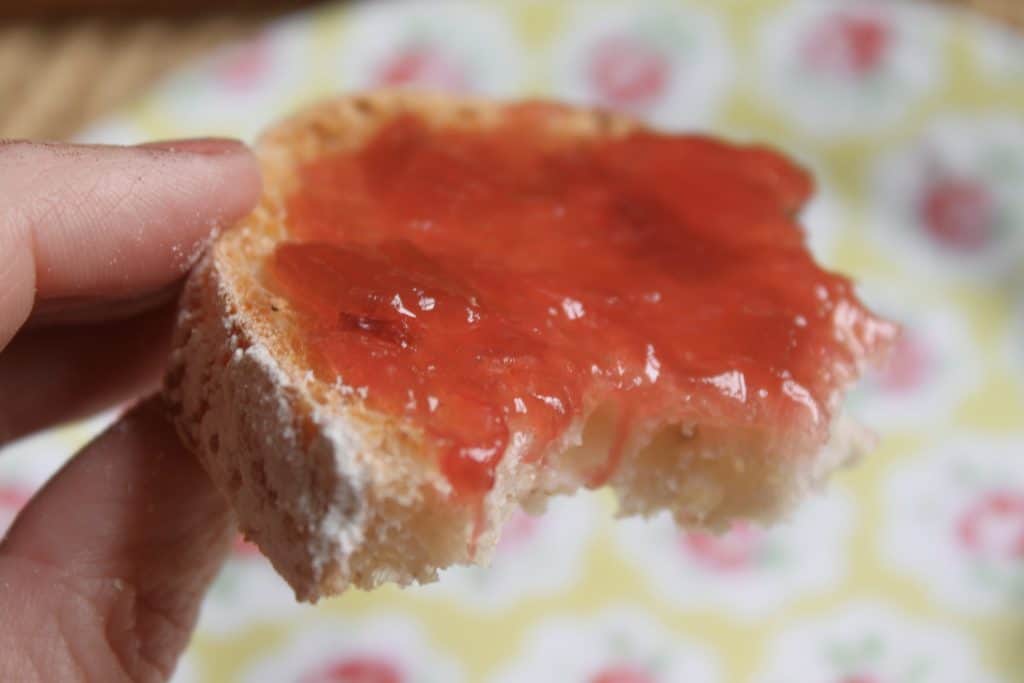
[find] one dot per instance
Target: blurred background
(909, 568)
(65, 63)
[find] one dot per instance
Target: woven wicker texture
(56, 78)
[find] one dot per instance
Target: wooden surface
(56, 9)
(56, 76)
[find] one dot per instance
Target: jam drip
(494, 286)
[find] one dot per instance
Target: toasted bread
(337, 493)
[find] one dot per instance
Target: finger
(81, 226)
(101, 576)
(56, 374)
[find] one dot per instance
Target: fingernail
(203, 146)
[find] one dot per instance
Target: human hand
(102, 574)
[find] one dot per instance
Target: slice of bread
(338, 494)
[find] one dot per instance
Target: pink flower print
(243, 68)
(910, 364)
(848, 45)
(734, 550)
(518, 530)
(958, 212)
(993, 527)
(627, 72)
(356, 669)
(424, 66)
(622, 674)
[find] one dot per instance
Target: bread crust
(338, 495)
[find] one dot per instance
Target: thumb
(102, 575)
(92, 227)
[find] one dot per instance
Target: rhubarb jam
(494, 285)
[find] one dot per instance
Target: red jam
(490, 284)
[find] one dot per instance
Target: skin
(102, 574)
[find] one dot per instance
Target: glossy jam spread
(500, 283)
